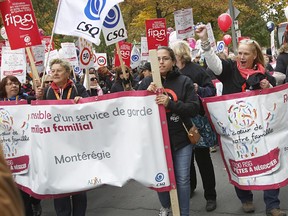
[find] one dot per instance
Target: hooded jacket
(183, 105)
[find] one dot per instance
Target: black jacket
(199, 75)
(183, 105)
(77, 90)
(233, 81)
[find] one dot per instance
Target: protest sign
(144, 49)
(98, 144)
(184, 23)
(253, 134)
(20, 23)
(13, 63)
(156, 33)
(125, 51)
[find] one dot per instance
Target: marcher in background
(95, 88)
(181, 103)
(48, 80)
(106, 79)
(247, 72)
(121, 81)
(63, 88)
(145, 71)
(204, 88)
(282, 58)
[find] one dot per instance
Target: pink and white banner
(252, 130)
(102, 140)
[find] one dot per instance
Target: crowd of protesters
(180, 70)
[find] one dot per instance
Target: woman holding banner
(181, 103)
(246, 72)
(10, 90)
(204, 88)
(63, 88)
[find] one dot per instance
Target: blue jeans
(270, 197)
(181, 161)
(63, 206)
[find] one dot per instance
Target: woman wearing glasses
(95, 89)
(123, 82)
(181, 103)
(10, 89)
(246, 72)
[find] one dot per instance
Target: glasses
(48, 82)
(93, 79)
(164, 58)
(12, 83)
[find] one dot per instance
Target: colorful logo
(94, 9)
(242, 115)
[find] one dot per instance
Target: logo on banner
(92, 11)
(159, 35)
(112, 18)
(101, 61)
(220, 46)
(111, 21)
(25, 22)
(125, 54)
(159, 177)
(94, 8)
(135, 58)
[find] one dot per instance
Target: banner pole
(51, 40)
(157, 80)
(33, 68)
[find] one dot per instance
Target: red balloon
(227, 39)
(224, 22)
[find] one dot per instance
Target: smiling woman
(10, 89)
(245, 73)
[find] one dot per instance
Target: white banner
(77, 147)
(253, 136)
(13, 63)
(82, 18)
(184, 23)
(113, 27)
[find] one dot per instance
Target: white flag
(113, 27)
(83, 18)
(135, 57)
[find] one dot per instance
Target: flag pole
(51, 40)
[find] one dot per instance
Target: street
(136, 200)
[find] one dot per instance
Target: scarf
(245, 72)
(59, 90)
